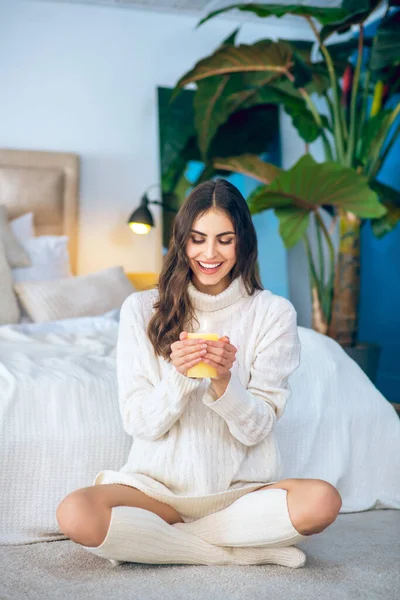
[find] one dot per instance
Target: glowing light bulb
(140, 228)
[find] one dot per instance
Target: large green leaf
(250, 165)
(260, 78)
(210, 104)
(264, 57)
(328, 183)
(210, 99)
(322, 14)
(309, 185)
(262, 64)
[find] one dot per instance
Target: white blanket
(60, 423)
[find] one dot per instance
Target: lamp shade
(141, 220)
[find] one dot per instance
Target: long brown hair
(173, 308)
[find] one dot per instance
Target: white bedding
(59, 420)
(60, 423)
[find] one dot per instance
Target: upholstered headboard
(47, 184)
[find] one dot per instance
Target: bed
(46, 183)
(60, 425)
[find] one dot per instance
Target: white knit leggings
(254, 529)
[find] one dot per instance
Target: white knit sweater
(183, 436)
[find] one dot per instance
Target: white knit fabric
(260, 518)
(187, 443)
(137, 535)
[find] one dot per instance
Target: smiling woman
(213, 227)
(199, 444)
(210, 252)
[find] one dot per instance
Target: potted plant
(356, 135)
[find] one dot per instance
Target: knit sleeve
(149, 404)
(252, 413)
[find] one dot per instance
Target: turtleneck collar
(210, 302)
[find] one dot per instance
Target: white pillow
(49, 257)
(9, 309)
(22, 227)
(15, 253)
(85, 295)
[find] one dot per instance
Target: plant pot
(366, 356)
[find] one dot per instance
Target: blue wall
(380, 282)
(380, 288)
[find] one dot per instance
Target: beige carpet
(358, 557)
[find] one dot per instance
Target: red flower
(347, 83)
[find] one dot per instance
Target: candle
(202, 369)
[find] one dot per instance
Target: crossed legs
(278, 515)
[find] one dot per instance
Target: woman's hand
(221, 355)
(187, 353)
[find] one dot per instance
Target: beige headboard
(47, 184)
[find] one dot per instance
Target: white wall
(83, 78)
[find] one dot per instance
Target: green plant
(356, 137)
(250, 130)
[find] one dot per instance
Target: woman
(201, 485)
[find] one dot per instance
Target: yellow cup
(202, 369)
